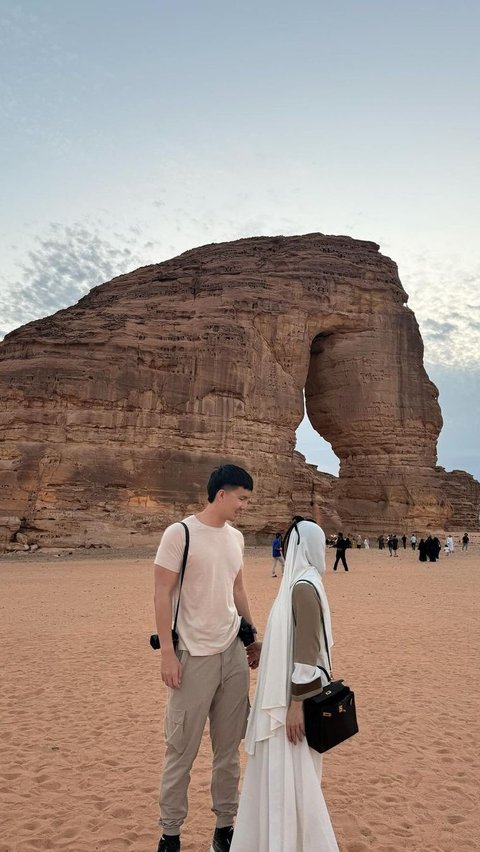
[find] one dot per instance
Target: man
(207, 674)
(413, 541)
(277, 555)
(404, 541)
(394, 544)
(341, 545)
(465, 540)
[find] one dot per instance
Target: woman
(282, 808)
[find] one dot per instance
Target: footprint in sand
(454, 820)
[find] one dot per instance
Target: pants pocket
(174, 729)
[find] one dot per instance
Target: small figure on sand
(341, 545)
(277, 554)
(465, 541)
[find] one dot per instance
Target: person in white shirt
(207, 673)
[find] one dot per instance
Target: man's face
(232, 501)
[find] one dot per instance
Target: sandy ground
(81, 705)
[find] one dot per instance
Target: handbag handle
(184, 563)
(323, 626)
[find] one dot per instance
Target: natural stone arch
(116, 409)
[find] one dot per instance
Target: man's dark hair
(226, 477)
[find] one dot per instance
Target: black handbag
(330, 716)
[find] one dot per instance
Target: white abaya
(282, 807)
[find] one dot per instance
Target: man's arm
(240, 597)
(241, 603)
(165, 582)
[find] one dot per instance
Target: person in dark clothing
(394, 544)
(404, 541)
(431, 549)
(465, 540)
(422, 550)
(437, 546)
(381, 542)
(341, 545)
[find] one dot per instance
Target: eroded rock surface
(116, 409)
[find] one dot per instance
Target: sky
(133, 131)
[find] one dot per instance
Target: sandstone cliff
(115, 410)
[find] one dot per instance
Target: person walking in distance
(395, 544)
(341, 545)
(207, 673)
(277, 554)
(413, 541)
(465, 541)
(404, 541)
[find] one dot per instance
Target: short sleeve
(171, 548)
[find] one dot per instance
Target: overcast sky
(133, 131)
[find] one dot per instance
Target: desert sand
(82, 704)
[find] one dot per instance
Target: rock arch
(116, 409)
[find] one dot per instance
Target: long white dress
(282, 807)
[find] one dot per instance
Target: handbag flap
(333, 691)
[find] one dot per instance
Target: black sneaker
(222, 839)
(169, 843)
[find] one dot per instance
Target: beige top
(308, 642)
(208, 620)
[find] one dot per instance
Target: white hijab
(305, 560)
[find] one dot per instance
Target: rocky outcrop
(116, 409)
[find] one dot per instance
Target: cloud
(64, 265)
(444, 297)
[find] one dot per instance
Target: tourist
(341, 545)
(277, 554)
(394, 544)
(433, 547)
(381, 542)
(404, 541)
(282, 805)
(366, 544)
(465, 541)
(207, 674)
(390, 544)
(413, 541)
(422, 550)
(449, 543)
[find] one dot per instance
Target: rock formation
(116, 409)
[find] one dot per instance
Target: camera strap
(182, 571)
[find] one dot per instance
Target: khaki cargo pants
(214, 687)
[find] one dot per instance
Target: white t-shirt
(208, 620)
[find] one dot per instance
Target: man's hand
(253, 654)
(171, 669)
(295, 722)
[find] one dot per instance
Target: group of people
(205, 666)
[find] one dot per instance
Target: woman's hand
(295, 722)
